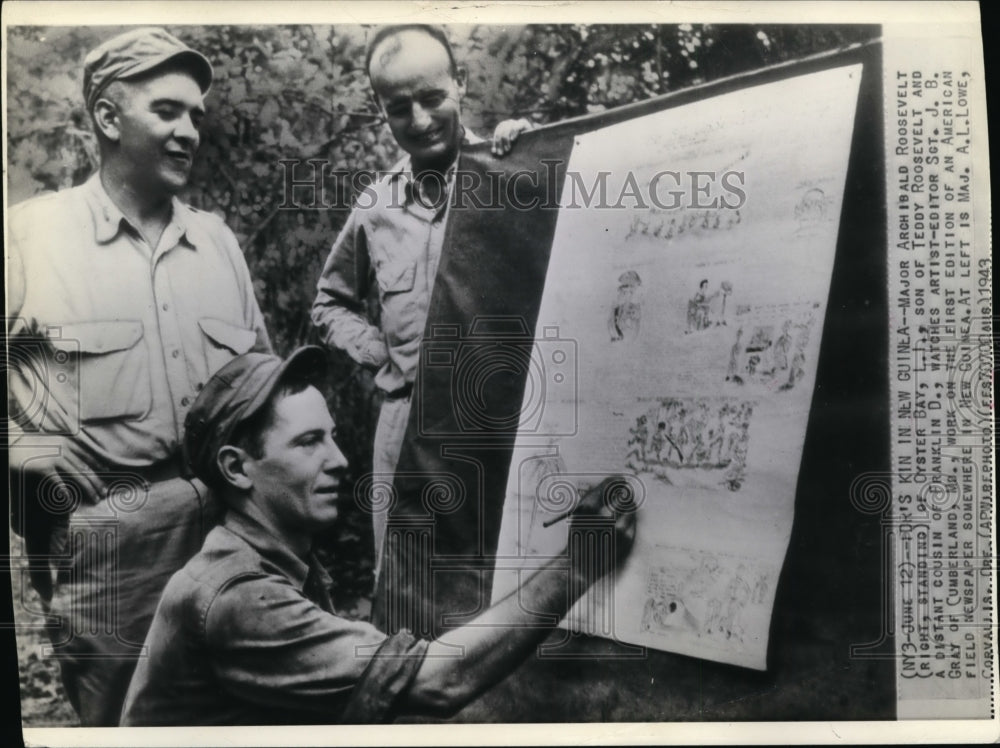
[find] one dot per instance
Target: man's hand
(59, 468)
(613, 499)
(506, 134)
(499, 639)
(48, 481)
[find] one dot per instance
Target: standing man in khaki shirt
(123, 301)
(393, 243)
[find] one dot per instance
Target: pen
(560, 518)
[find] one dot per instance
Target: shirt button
(199, 386)
(165, 307)
(175, 353)
(185, 401)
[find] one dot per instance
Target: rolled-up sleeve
(275, 647)
(339, 308)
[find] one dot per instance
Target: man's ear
(106, 119)
(461, 79)
(232, 464)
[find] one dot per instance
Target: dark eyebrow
(430, 92)
(307, 434)
(176, 104)
(417, 95)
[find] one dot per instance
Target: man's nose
(421, 118)
(186, 130)
(335, 459)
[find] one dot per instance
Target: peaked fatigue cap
(134, 53)
(234, 394)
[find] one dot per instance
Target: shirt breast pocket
(224, 341)
(109, 365)
(399, 304)
(396, 277)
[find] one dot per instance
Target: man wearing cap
(245, 633)
(123, 302)
(392, 246)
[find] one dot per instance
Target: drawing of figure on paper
(739, 596)
(725, 615)
(777, 362)
(667, 224)
(812, 209)
(638, 438)
(713, 624)
(698, 308)
(804, 327)
(700, 450)
(737, 444)
(759, 348)
(782, 346)
(625, 315)
(705, 438)
(659, 440)
(677, 428)
(706, 309)
(669, 614)
(735, 356)
(706, 575)
(667, 608)
(662, 444)
(797, 370)
(694, 429)
(760, 589)
(717, 439)
(725, 288)
(702, 595)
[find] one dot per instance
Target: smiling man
(246, 633)
(123, 301)
(392, 245)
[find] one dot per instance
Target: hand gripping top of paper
(694, 311)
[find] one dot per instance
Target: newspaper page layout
(696, 333)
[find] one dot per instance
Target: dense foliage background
(298, 92)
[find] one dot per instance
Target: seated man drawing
(245, 633)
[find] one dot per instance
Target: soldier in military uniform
(123, 302)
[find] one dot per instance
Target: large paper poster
(677, 344)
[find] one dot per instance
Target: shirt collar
(108, 216)
(271, 548)
(184, 216)
(403, 169)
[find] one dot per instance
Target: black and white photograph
(410, 373)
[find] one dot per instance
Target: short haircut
(387, 32)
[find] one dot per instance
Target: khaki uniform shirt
(245, 634)
(112, 338)
(392, 241)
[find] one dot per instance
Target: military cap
(136, 52)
